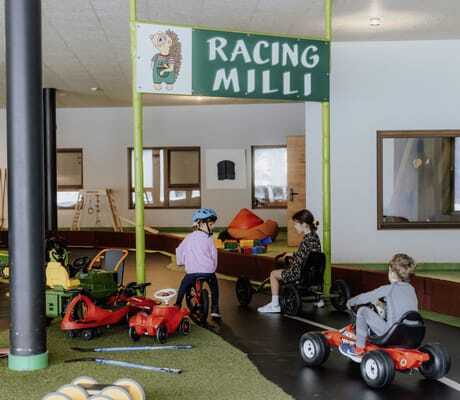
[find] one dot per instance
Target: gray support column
(49, 123)
(25, 184)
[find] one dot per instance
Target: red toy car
(84, 317)
(397, 350)
(162, 321)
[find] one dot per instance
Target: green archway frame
(138, 149)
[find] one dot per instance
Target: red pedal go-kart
(162, 321)
(397, 350)
(83, 317)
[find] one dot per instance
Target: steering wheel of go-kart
(164, 295)
(80, 264)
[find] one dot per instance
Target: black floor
(271, 343)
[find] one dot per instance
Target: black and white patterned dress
(309, 243)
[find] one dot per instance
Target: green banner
(228, 64)
(200, 62)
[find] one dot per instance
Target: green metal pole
(138, 151)
(326, 124)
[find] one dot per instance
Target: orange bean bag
(245, 219)
(259, 232)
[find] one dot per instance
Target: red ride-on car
(83, 317)
(162, 321)
(397, 350)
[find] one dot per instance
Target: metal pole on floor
(25, 185)
(138, 151)
(49, 123)
(326, 124)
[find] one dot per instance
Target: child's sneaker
(215, 314)
(319, 304)
(269, 308)
(350, 351)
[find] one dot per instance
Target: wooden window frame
(253, 169)
(168, 187)
(68, 188)
(410, 134)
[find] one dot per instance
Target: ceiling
(86, 42)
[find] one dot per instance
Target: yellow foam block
(247, 243)
(219, 244)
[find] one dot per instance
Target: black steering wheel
(133, 288)
(80, 264)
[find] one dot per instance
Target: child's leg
(186, 282)
(214, 286)
(365, 319)
(275, 277)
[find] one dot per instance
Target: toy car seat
(111, 260)
(312, 272)
(57, 275)
(407, 333)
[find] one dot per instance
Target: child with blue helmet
(198, 253)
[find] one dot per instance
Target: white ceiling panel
(86, 43)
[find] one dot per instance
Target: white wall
(380, 86)
(105, 135)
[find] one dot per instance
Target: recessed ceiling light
(96, 89)
(375, 21)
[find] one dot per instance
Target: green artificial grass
(213, 369)
(442, 318)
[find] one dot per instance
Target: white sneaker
(319, 304)
(269, 308)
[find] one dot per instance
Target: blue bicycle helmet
(205, 215)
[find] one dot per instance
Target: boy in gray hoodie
(399, 297)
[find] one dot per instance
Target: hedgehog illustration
(167, 63)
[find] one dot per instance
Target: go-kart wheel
(74, 392)
(133, 387)
(377, 369)
(87, 334)
(244, 291)
(198, 304)
(185, 326)
(72, 334)
(314, 349)
(290, 301)
(133, 334)
(340, 292)
(162, 334)
(438, 365)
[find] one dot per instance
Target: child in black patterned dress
(305, 223)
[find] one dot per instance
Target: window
(171, 177)
(269, 177)
(418, 177)
(69, 164)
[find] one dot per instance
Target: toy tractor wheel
(162, 334)
(185, 327)
(87, 334)
(377, 369)
(290, 301)
(133, 334)
(340, 292)
(244, 291)
(314, 349)
(438, 365)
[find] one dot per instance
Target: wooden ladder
(77, 213)
(3, 184)
(116, 221)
